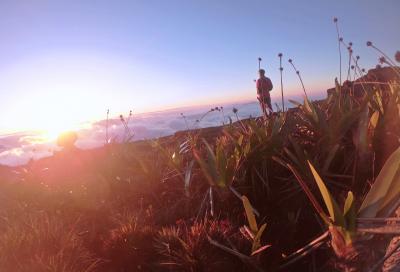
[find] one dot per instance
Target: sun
(51, 128)
(51, 134)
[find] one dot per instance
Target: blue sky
(69, 61)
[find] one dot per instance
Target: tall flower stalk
(335, 20)
(370, 44)
(108, 114)
(350, 50)
(281, 71)
(387, 59)
(298, 74)
(361, 71)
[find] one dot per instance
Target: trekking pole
(281, 70)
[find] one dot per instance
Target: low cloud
(21, 147)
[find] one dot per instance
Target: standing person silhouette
(264, 86)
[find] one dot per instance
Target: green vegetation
(314, 187)
(200, 202)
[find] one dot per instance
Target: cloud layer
(18, 148)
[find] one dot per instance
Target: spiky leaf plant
(128, 246)
(186, 247)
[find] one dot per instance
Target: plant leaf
(374, 119)
(392, 198)
(331, 205)
(348, 203)
(257, 238)
(250, 215)
(349, 212)
(310, 110)
(330, 157)
(309, 194)
(261, 249)
(212, 161)
(188, 176)
(385, 188)
(295, 102)
(208, 168)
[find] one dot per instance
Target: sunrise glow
(189, 135)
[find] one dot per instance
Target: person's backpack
(265, 84)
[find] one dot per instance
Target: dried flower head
(340, 39)
(363, 70)
(369, 43)
(280, 55)
(298, 72)
(335, 19)
(290, 60)
(281, 69)
(397, 56)
(357, 57)
(234, 110)
(352, 67)
(259, 59)
(382, 60)
(350, 44)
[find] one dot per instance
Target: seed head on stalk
(397, 56)
(298, 74)
(350, 50)
(382, 60)
(281, 71)
(386, 58)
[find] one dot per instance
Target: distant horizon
(64, 62)
(276, 99)
(19, 147)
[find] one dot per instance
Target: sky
(67, 61)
